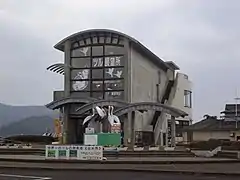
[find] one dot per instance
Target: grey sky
(201, 36)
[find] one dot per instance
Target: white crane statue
(88, 118)
(112, 119)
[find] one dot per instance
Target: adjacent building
(211, 127)
(108, 68)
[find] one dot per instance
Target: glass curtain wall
(97, 70)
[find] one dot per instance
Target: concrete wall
(205, 136)
(183, 83)
(176, 99)
(145, 77)
(57, 95)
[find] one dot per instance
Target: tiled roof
(212, 124)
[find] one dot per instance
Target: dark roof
(173, 65)
(231, 108)
(106, 32)
(212, 124)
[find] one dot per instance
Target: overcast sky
(201, 36)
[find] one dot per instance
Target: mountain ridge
(35, 125)
(11, 113)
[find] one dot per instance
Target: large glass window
(187, 98)
(80, 85)
(97, 85)
(113, 72)
(110, 50)
(97, 73)
(114, 95)
(114, 61)
(97, 62)
(98, 69)
(80, 74)
(113, 84)
(97, 95)
(97, 50)
(80, 62)
(81, 52)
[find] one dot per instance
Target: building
(108, 68)
(231, 112)
(227, 127)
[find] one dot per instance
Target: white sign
(91, 153)
(90, 139)
(116, 128)
(74, 152)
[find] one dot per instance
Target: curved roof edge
(60, 47)
(60, 44)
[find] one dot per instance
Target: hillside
(9, 114)
(31, 125)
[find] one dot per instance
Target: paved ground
(198, 168)
(37, 157)
(16, 174)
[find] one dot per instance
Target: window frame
(103, 68)
(187, 100)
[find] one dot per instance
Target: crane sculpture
(101, 113)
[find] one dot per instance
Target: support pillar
(61, 118)
(67, 92)
(65, 126)
(126, 130)
(173, 131)
(166, 139)
(69, 128)
(132, 130)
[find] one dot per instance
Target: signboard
(90, 139)
(74, 152)
(91, 153)
(51, 152)
(116, 128)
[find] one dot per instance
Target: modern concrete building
(108, 68)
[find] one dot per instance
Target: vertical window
(187, 98)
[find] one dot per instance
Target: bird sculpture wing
(87, 119)
(100, 112)
(110, 120)
(116, 119)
